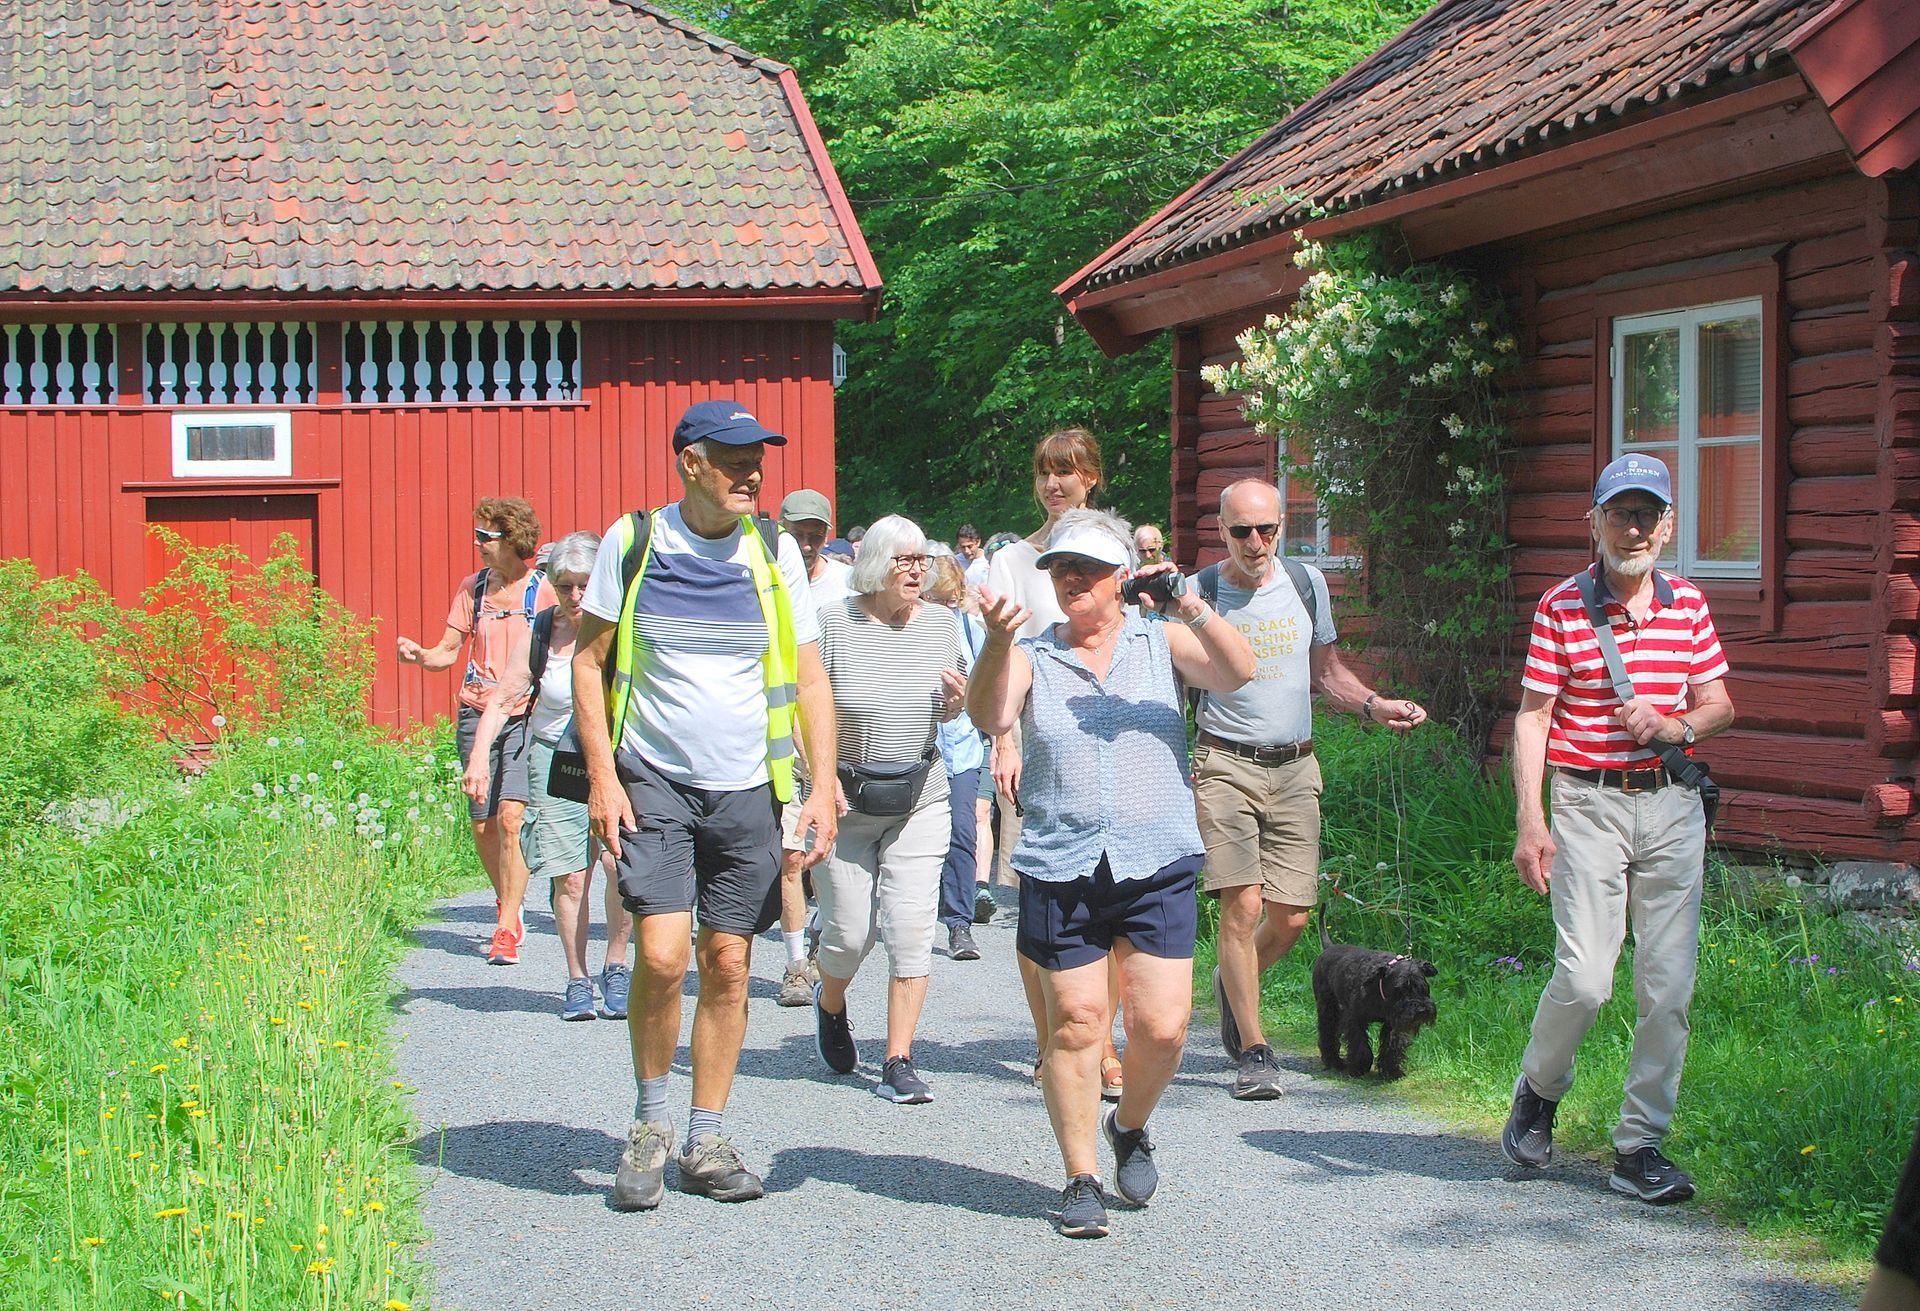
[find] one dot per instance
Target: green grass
(197, 1106)
(1800, 1095)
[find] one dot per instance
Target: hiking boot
(1229, 1027)
(1083, 1208)
(1528, 1138)
(712, 1168)
(577, 1004)
(504, 949)
(1258, 1079)
(833, 1038)
(960, 943)
(616, 980)
(1134, 1174)
(796, 988)
(1648, 1175)
(901, 1083)
(984, 906)
(641, 1179)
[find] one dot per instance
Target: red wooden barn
(1725, 190)
(341, 268)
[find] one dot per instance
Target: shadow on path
(485, 1000)
(527, 1155)
(913, 1179)
(1343, 1153)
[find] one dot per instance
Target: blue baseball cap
(1634, 473)
(727, 422)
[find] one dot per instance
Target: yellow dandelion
(306, 1005)
(297, 1247)
(277, 1020)
(259, 1219)
(320, 1267)
(91, 1241)
(1809, 1149)
(182, 1041)
(235, 1215)
(321, 1228)
(376, 1206)
(81, 1151)
(300, 937)
(135, 1155)
(190, 1103)
(107, 1114)
(170, 1213)
(341, 1046)
(158, 1067)
(198, 1115)
(395, 1304)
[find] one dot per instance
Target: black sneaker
(1648, 1175)
(1134, 1174)
(1229, 1027)
(900, 1082)
(1083, 1208)
(1528, 1138)
(1258, 1079)
(833, 1038)
(711, 1167)
(960, 945)
(984, 906)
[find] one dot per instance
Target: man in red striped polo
(1626, 841)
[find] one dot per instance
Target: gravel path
(1320, 1199)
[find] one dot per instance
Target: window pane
(1303, 518)
(1730, 379)
(1650, 407)
(1729, 510)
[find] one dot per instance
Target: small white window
(1688, 387)
(233, 444)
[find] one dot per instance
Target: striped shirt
(1674, 651)
(887, 698)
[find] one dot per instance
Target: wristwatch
(1686, 732)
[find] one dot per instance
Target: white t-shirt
(1014, 573)
(698, 709)
(976, 571)
(833, 585)
(553, 703)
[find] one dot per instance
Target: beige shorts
(1260, 824)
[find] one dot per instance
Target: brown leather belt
(1284, 754)
(1646, 778)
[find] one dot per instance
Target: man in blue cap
(698, 641)
(1614, 711)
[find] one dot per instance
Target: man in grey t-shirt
(1256, 783)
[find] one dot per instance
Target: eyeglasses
(1241, 531)
(907, 564)
(1646, 519)
(1079, 564)
(481, 536)
(569, 587)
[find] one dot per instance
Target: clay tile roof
(315, 146)
(1470, 82)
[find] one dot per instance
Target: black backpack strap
(1208, 583)
(1303, 584)
(636, 549)
(542, 646)
(480, 581)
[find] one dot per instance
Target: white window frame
(1322, 525)
(280, 466)
(1685, 545)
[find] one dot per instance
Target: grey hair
(573, 554)
(1104, 521)
(886, 538)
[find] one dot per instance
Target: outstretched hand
(1002, 615)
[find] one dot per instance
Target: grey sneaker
(1648, 1175)
(833, 1038)
(1258, 1079)
(1134, 1174)
(616, 980)
(984, 906)
(900, 1082)
(960, 945)
(712, 1168)
(577, 1002)
(1083, 1208)
(796, 988)
(1229, 1027)
(1528, 1138)
(640, 1181)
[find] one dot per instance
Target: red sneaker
(505, 949)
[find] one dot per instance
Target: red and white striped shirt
(1674, 650)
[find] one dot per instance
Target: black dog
(1356, 987)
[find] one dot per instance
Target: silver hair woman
(887, 538)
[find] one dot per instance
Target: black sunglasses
(1241, 531)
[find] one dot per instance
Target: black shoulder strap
(542, 646)
(1303, 584)
(769, 531)
(636, 549)
(1680, 765)
(480, 594)
(1208, 582)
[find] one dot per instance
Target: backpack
(542, 646)
(532, 593)
(1207, 583)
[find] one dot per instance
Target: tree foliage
(992, 150)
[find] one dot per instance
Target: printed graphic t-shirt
(1275, 706)
(698, 708)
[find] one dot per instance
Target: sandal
(1110, 1078)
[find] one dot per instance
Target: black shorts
(696, 849)
(508, 761)
(1063, 925)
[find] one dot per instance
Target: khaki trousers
(1621, 855)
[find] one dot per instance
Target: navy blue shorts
(1064, 925)
(697, 849)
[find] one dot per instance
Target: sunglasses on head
(1241, 531)
(482, 536)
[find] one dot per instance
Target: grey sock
(702, 1122)
(652, 1102)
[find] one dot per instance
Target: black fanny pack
(567, 775)
(885, 788)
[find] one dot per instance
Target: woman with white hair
(897, 665)
(1110, 850)
(554, 835)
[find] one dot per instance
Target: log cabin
(1725, 193)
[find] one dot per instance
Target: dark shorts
(1064, 925)
(510, 756)
(717, 853)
